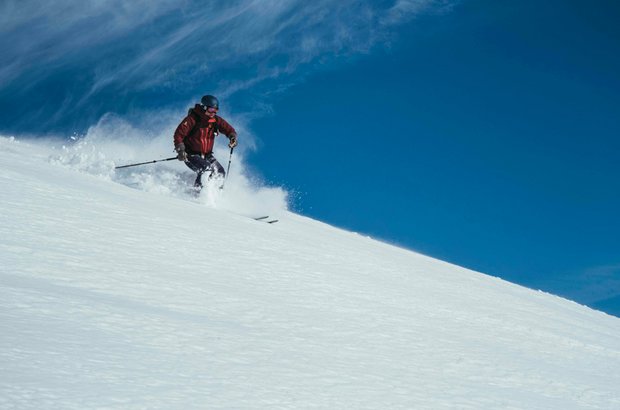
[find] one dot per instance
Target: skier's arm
(183, 129)
(181, 132)
(228, 130)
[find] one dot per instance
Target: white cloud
(590, 285)
(405, 10)
(144, 43)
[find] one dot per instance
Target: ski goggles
(210, 110)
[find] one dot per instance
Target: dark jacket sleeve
(225, 128)
(183, 129)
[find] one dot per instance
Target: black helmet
(210, 101)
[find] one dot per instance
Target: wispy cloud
(404, 10)
(142, 44)
(591, 285)
(602, 282)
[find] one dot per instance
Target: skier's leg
(199, 165)
(217, 170)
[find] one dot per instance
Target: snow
(118, 290)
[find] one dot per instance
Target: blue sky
(483, 133)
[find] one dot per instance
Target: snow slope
(121, 298)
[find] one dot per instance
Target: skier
(195, 136)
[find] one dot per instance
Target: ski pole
(229, 160)
(228, 170)
(144, 163)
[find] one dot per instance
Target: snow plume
(114, 142)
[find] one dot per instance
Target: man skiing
(195, 136)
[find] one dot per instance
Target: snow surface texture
(113, 297)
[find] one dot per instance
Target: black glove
(233, 141)
(181, 154)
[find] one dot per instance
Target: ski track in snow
(111, 297)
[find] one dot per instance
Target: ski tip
(265, 219)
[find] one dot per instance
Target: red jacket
(197, 131)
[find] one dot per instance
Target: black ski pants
(206, 164)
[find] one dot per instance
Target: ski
(266, 219)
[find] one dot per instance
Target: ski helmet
(210, 101)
